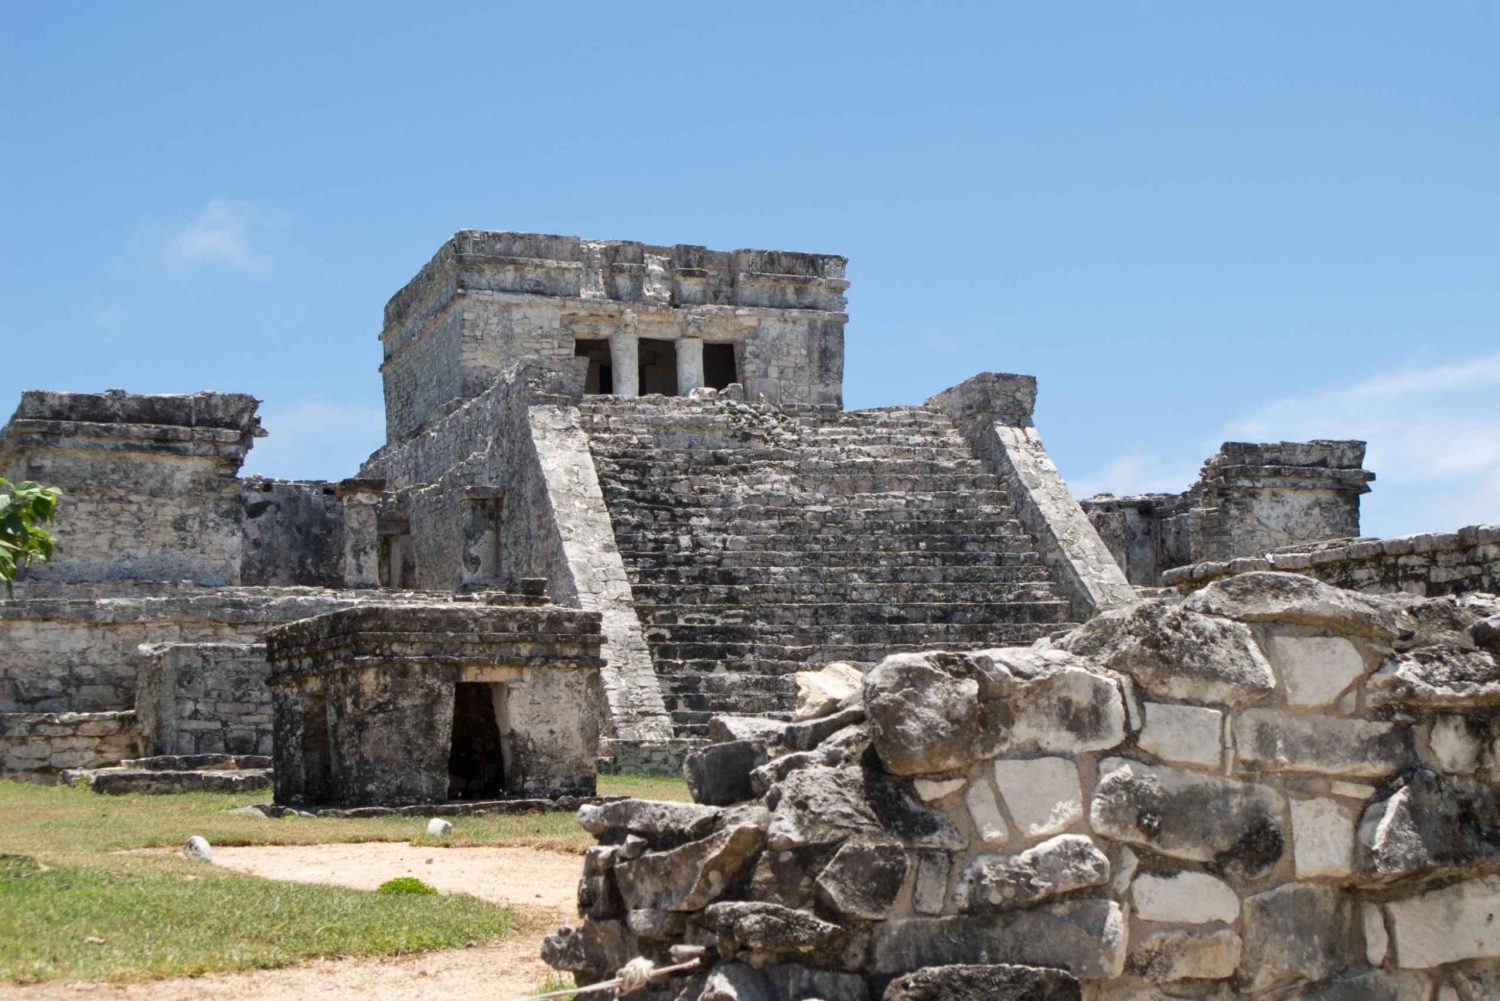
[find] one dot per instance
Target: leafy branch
(23, 508)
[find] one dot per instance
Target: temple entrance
(658, 367)
(718, 366)
(476, 763)
(317, 757)
(600, 380)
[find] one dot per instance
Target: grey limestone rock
(1235, 826)
(1486, 634)
(1447, 925)
(808, 735)
(1296, 931)
(719, 774)
(794, 981)
(1369, 985)
(722, 729)
(771, 928)
(1057, 866)
(593, 951)
(785, 877)
(1277, 740)
(1085, 937)
(777, 769)
(827, 690)
(1175, 653)
(688, 877)
(938, 712)
(1432, 823)
(1165, 955)
(862, 881)
(663, 825)
(656, 926)
(1437, 676)
(1292, 598)
(986, 982)
(735, 982)
(823, 806)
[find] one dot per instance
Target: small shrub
(406, 884)
(18, 866)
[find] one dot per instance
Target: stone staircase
(764, 540)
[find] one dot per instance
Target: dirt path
(540, 885)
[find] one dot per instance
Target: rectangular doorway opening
(658, 367)
(718, 366)
(476, 762)
(317, 757)
(600, 379)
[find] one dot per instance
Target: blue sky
(1192, 222)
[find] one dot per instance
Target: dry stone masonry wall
(1274, 789)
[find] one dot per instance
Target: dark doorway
(476, 764)
(718, 366)
(658, 367)
(317, 758)
(600, 379)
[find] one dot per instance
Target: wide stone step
(844, 558)
(707, 623)
(793, 577)
(665, 604)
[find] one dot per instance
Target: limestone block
(1186, 898)
(1456, 744)
(863, 881)
(687, 878)
(1294, 931)
(1431, 823)
(1277, 740)
(1439, 676)
(1189, 814)
(1165, 955)
(1322, 838)
(984, 983)
(984, 810)
(1185, 735)
(932, 883)
(1042, 794)
(1174, 653)
(1314, 669)
(662, 824)
(722, 729)
(929, 790)
(1294, 599)
(822, 692)
(1085, 937)
(656, 926)
(595, 950)
(771, 928)
(1057, 866)
(820, 805)
(1447, 925)
(793, 980)
(1377, 940)
(719, 774)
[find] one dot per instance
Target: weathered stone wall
(203, 698)
(293, 533)
(1273, 789)
(488, 300)
(1431, 564)
(149, 481)
(35, 742)
(1249, 499)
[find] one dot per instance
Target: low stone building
(425, 703)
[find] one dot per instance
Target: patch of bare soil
(539, 885)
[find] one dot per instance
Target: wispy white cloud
(224, 234)
(1433, 433)
(109, 318)
(316, 439)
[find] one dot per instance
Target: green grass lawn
(75, 902)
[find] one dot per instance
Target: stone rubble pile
(1272, 789)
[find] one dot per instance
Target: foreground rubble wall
(1274, 788)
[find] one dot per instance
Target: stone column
(361, 541)
(689, 365)
(481, 554)
(624, 355)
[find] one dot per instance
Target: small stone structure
(1273, 789)
(385, 705)
(1249, 499)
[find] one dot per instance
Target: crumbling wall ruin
(1249, 499)
(1275, 788)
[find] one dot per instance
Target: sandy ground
(540, 885)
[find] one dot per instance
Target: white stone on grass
(1322, 837)
(198, 849)
(1042, 794)
(1189, 898)
(1314, 669)
(1447, 925)
(931, 789)
(1187, 735)
(437, 827)
(1377, 942)
(986, 813)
